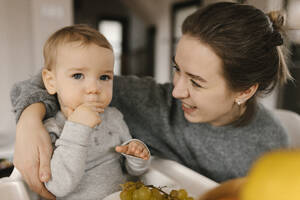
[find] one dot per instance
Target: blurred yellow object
(275, 176)
(228, 190)
(229, 198)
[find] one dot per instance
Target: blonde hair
(75, 33)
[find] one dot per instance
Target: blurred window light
(52, 11)
(113, 31)
(293, 10)
(179, 12)
(180, 16)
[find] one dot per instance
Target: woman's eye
(195, 84)
(104, 78)
(77, 76)
(175, 68)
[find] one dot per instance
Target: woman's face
(200, 85)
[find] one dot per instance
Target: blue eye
(77, 76)
(104, 78)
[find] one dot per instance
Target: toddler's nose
(93, 87)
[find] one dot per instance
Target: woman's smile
(188, 108)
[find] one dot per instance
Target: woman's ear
(49, 81)
(243, 96)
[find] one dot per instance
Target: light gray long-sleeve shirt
(85, 164)
(155, 117)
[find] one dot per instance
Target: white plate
(170, 175)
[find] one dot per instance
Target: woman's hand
(134, 148)
(33, 149)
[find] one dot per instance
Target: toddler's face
(83, 74)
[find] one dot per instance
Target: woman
(207, 120)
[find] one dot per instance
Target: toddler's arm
(137, 156)
(135, 151)
(69, 158)
(68, 162)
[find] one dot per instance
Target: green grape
(182, 194)
(165, 197)
(135, 195)
(174, 193)
(155, 198)
(156, 194)
(125, 195)
(139, 191)
(139, 184)
(131, 189)
(189, 198)
(128, 184)
(144, 193)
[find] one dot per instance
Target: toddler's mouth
(92, 98)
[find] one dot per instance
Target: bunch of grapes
(139, 191)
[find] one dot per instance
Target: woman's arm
(33, 149)
(32, 90)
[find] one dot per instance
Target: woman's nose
(180, 89)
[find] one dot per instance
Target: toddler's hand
(134, 148)
(86, 114)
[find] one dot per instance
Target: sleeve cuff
(136, 166)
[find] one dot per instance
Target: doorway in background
(131, 37)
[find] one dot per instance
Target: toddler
(87, 134)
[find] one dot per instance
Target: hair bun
(276, 22)
(277, 19)
(276, 39)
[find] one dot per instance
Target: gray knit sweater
(156, 118)
(84, 164)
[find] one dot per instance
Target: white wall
(162, 18)
(48, 16)
(25, 25)
(15, 54)
(293, 20)
(163, 42)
